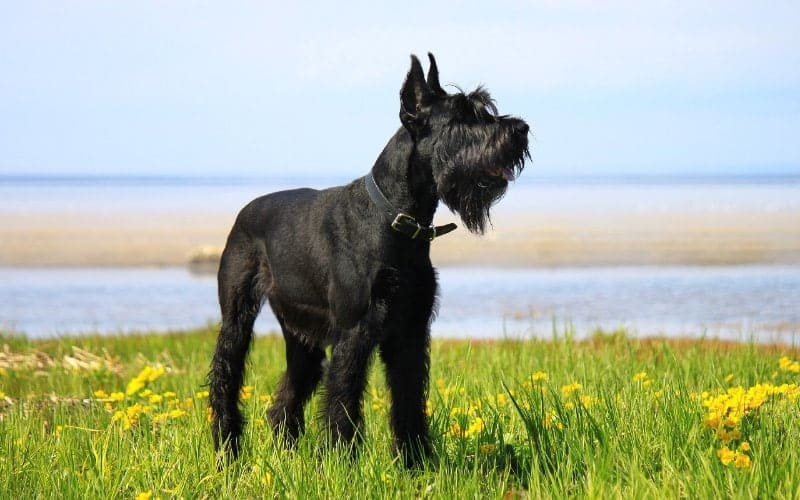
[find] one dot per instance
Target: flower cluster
(138, 401)
(728, 409)
(465, 416)
(739, 458)
(787, 365)
(148, 374)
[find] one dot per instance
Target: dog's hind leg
(303, 372)
(240, 299)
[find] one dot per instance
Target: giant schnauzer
(349, 267)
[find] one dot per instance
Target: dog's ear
(433, 77)
(414, 95)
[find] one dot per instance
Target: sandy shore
(80, 239)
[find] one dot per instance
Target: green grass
(636, 426)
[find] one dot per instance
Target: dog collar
(403, 223)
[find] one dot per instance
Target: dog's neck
(406, 179)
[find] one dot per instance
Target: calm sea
(590, 195)
(738, 302)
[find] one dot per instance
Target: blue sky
(305, 88)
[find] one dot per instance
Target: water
(760, 302)
(727, 302)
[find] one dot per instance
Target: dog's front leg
(405, 350)
(347, 378)
(407, 358)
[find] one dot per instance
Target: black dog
(349, 266)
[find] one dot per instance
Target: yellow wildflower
(154, 373)
(117, 396)
(568, 389)
(246, 392)
(100, 394)
(2, 395)
(729, 377)
(475, 427)
(145, 495)
(155, 398)
(201, 394)
(169, 394)
(148, 374)
(122, 417)
(640, 376)
(726, 455)
(134, 386)
(744, 446)
(742, 461)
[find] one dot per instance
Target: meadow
(611, 416)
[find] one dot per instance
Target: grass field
(126, 417)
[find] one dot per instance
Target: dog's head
(473, 151)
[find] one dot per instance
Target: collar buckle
(403, 223)
(402, 219)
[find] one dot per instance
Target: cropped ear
(433, 77)
(414, 95)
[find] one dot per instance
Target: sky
(306, 88)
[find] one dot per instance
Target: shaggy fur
(336, 274)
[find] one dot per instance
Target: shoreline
(527, 240)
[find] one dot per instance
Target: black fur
(335, 273)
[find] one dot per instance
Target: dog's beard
(475, 178)
(472, 200)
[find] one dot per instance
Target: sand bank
(161, 239)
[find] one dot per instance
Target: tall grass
(120, 417)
